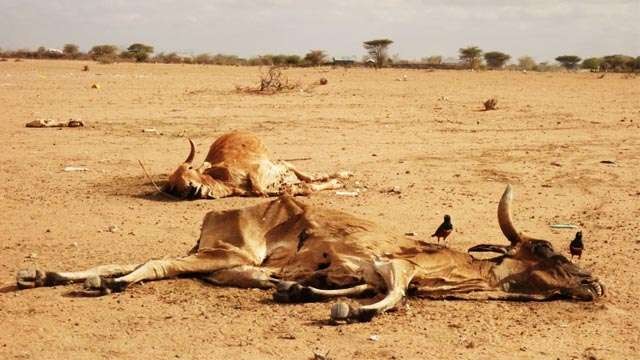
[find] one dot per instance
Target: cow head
(188, 181)
(531, 267)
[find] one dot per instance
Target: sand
(426, 135)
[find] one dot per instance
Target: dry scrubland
(425, 135)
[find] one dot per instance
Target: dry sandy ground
(425, 135)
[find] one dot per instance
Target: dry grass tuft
(490, 104)
(273, 82)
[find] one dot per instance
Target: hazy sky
(543, 29)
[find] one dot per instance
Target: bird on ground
(576, 246)
(444, 229)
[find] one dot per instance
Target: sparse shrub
(490, 104)
(107, 59)
(85, 68)
(104, 51)
(202, 59)
(71, 51)
(496, 59)
(432, 60)
(618, 63)
(292, 60)
(591, 63)
(170, 58)
(545, 67)
(272, 82)
(315, 57)
(527, 63)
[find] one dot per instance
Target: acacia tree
(140, 52)
(471, 56)
(568, 61)
(496, 59)
(315, 57)
(377, 50)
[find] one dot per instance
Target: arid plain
(427, 135)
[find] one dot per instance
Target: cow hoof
(340, 311)
(292, 292)
(30, 278)
(104, 285)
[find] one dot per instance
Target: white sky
(543, 29)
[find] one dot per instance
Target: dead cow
(311, 254)
(238, 164)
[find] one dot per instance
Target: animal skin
(308, 253)
(238, 165)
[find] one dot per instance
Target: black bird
(444, 229)
(576, 246)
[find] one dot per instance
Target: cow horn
(192, 153)
(504, 217)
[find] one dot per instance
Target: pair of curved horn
(192, 153)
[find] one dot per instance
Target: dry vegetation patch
(273, 82)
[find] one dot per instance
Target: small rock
(374, 337)
(32, 256)
(113, 228)
(555, 163)
(95, 86)
(411, 233)
(151, 130)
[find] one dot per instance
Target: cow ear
(500, 249)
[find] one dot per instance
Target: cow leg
(244, 276)
(307, 177)
(30, 278)
(308, 188)
(397, 275)
(291, 291)
(199, 263)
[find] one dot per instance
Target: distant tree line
(471, 57)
